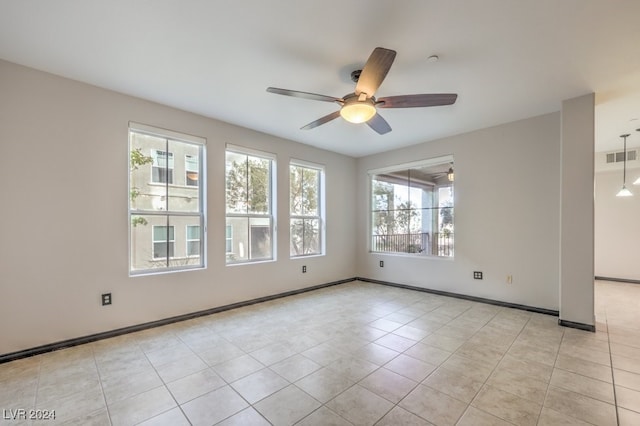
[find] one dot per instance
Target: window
(249, 211)
(229, 239)
(191, 167)
(193, 240)
(163, 243)
(306, 224)
(167, 221)
(412, 208)
(162, 168)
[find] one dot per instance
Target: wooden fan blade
(379, 124)
(321, 120)
(303, 95)
(375, 70)
(416, 101)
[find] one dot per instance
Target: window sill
(412, 255)
(162, 271)
(306, 256)
(250, 262)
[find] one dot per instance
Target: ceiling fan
(361, 106)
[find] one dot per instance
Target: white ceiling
(506, 59)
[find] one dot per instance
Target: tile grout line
(553, 367)
(230, 385)
(452, 353)
(485, 380)
(324, 404)
(530, 322)
(613, 376)
(104, 397)
(484, 383)
(211, 367)
(397, 404)
(379, 367)
(35, 396)
(164, 384)
(494, 369)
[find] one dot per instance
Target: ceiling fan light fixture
(358, 111)
(450, 175)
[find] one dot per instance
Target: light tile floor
(356, 353)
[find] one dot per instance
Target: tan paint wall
(63, 226)
(506, 215)
(617, 226)
(64, 241)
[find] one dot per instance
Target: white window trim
(413, 164)
(272, 203)
(202, 196)
(449, 158)
(321, 206)
(250, 151)
(166, 134)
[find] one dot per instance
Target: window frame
(271, 215)
(320, 210)
(161, 212)
(445, 159)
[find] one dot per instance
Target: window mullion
(246, 192)
(166, 175)
(302, 210)
(166, 193)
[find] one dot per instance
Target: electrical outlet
(509, 279)
(106, 299)
(382, 263)
(477, 275)
(304, 269)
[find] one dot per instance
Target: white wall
(576, 210)
(63, 227)
(617, 226)
(507, 205)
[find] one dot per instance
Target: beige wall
(64, 167)
(506, 215)
(617, 226)
(64, 240)
(576, 210)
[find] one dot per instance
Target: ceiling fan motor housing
(358, 109)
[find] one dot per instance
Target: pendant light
(637, 182)
(624, 192)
